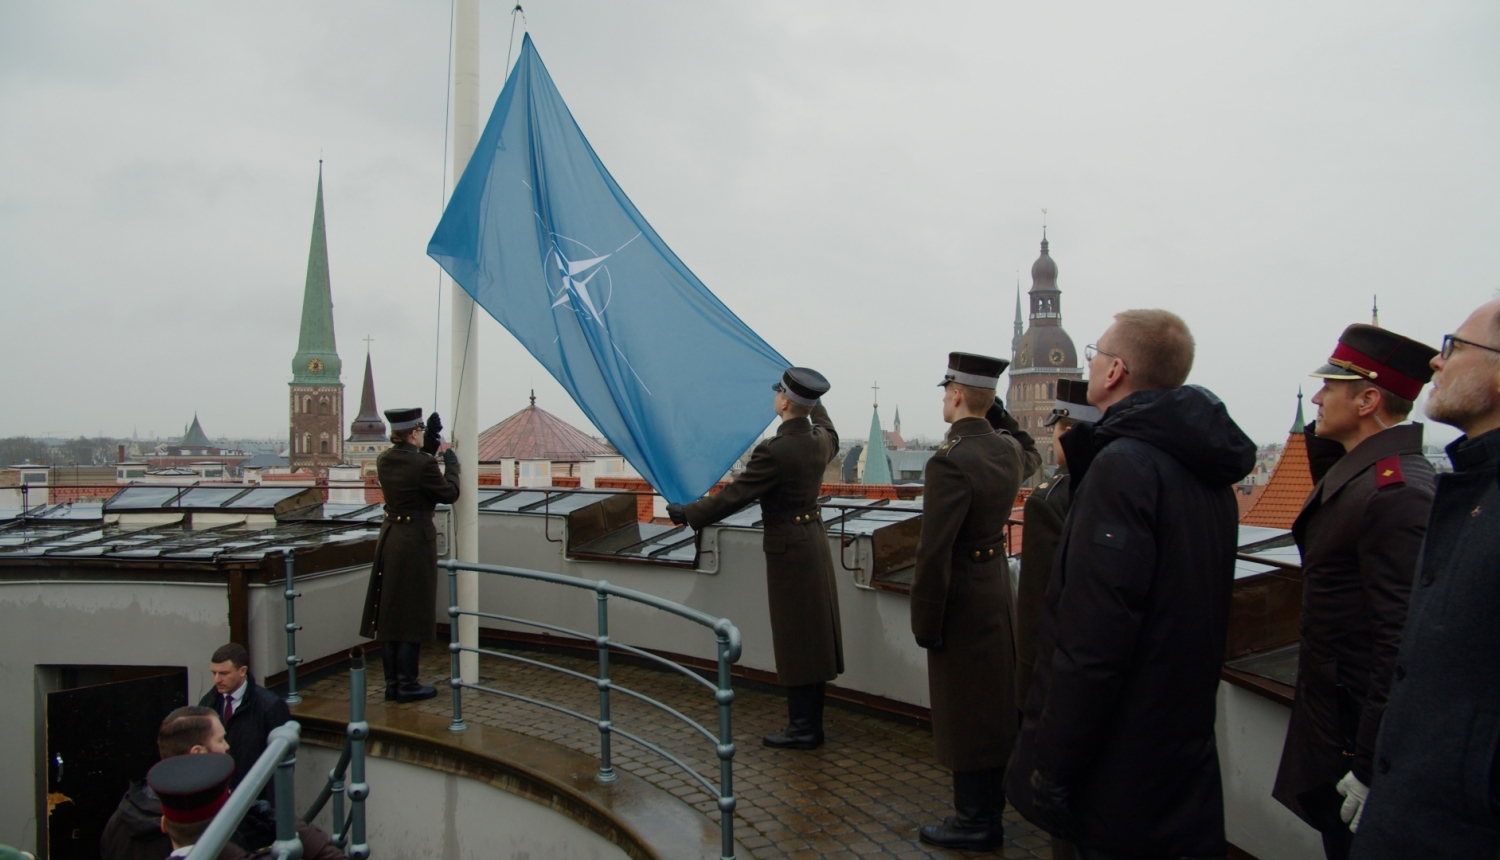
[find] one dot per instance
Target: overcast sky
(859, 181)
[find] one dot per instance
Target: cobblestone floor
(862, 795)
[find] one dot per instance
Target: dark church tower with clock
(317, 394)
(1043, 355)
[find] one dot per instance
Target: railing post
(725, 749)
(455, 679)
(358, 731)
(292, 659)
(288, 846)
(606, 768)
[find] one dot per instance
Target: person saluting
(785, 474)
(961, 601)
(401, 602)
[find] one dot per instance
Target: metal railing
(290, 595)
(278, 760)
(728, 637)
(349, 831)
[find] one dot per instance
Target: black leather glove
(677, 515)
(1050, 802)
(935, 646)
(434, 436)
(450, 460)
(1000, 419)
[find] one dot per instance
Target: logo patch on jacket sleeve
(1388, 472)
(1110, 536)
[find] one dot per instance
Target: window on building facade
(307, 403)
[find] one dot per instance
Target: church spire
(1298, 426)
(317, 358)
(877, 467)
(368, 426)
(1020, 327)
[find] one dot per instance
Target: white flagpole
(465, 342)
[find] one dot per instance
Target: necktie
(228, 708)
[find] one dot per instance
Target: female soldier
(401, 604)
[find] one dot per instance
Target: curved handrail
(278, 759)
(729, 648)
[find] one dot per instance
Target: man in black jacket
(1437, 760)
(248, 711)
(1117, 750)
(1359, 533)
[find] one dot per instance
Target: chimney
(121, 457)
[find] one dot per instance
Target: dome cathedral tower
(1041, 356)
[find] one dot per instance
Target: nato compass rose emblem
(578, 278)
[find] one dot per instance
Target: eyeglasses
(1093, 349)
(1450, 341)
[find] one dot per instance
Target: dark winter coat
(134, 830)
(258, 713)
(1046, 510)
(1121, 707)
(1359, 533)
(960, 593)
(785, 474)
(316, 845)
(401, 602)
(1437, 779)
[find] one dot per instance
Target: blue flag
(542, 237)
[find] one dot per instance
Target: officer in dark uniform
(1359, 533)
(785, 474)
(192, 789)
(401, 603)
(1046, 511)
(961, 598)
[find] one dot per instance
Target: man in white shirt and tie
(248, 711)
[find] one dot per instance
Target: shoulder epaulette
(1388, 472)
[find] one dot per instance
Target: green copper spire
(1299, 426)
(194, 437)
(317, 360)
(877, 467)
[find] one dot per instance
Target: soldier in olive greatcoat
(785, 474)
(1046, 512)
(1360, 532)
(401, 603)
(961, 597)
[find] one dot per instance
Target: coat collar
(969, 427)
(1401, 439)
(404, 446)
(1469, 455)
(794, 426)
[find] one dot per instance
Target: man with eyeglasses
(1437, 761)
(1359, 532)
(1116, 751)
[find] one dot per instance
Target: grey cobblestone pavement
(862, 795)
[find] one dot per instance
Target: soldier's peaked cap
(1072, 403)
(404, 419)
(192, 787)
(802, 385)
(1394, 362)
(980, 371)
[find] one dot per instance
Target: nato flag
(542, 237)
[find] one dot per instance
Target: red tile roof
(1248, 500)
(1281, 499)
(536, 434)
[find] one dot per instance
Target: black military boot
(977, 826)
(388, 652)
(410, 690)
(803, 704)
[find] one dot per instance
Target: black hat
(980, 371)
(802, 385)
(1072, 404)
(1396, 363)
(192, 787)
(404, 419)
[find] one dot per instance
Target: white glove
(1354, 793)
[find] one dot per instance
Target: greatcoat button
(1383, 765)
(1427, 578)
(1400, 673)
